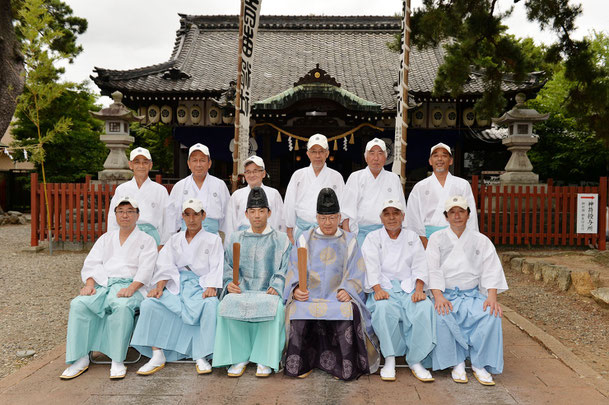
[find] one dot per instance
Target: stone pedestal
(519, 170)
(116, 166)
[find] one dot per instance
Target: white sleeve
(289, 204)
(163, 229)
(224, 197)
(419, 262)
(432, 253)
(371, 253)
(349, 201)
(171, 218)
(146, 261)
(492, 271)
(472, 222)
(277, 213)
(93, 266)
(414, 219)
(231, 223)
(213, 278)
(166, 269)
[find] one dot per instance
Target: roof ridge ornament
(174, 73)
(317, 76)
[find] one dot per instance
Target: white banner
(400, 121)
(251, 21)
(587, 213)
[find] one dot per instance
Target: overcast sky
(125, 34)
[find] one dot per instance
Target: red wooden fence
(508, 215)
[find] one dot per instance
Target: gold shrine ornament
(317, 75)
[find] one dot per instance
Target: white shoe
(483, 376)
(263, 371)
(458, 373)
(117, 370)
(203, 366)
(237, 370)
(421, 373)
(77, 368)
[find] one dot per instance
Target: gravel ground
(35, 293)
(577, 322)
(36, 289)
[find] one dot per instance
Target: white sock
(81, 363)
(389, 362)
(482, 373)
(158, 358)
(460, 368)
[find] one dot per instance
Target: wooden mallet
(236, 255)
(302, 268)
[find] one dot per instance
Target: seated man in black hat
(329, 325)
(250, 323)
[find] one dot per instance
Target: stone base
(519, 178)
(114, 176)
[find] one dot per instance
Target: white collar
(268, 229)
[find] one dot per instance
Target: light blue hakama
(468, 331)
(257, 342)
(364, 230)
(404, 328)
(210, 225)
(183, 325)
(430, 229)
(302, 226)
(150, 230)
(102, 322)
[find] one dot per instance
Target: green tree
(475, 38)
(73, 154)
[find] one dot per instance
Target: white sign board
(587, 213)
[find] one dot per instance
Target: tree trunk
(11, 67)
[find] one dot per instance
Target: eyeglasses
(248, 172)
(327, 218)
(317, 152)
(126, 212)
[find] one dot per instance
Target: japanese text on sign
(587, 213)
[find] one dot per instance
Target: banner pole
(235, 175)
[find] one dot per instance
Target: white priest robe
(464, 268)
(135, 259)
(151, 198)
(364, 197)
(204, 256)
(213, 194)
(303, 189)
(426, 203)
(235, 215)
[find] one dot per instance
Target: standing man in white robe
(178, 320)
(210, 190)
(116, 273)
(396, 273)
(366, 191)
(465, 276)
(425, 209)
(235, 216)
(151, 197)
(305, 185)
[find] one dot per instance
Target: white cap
(376, 142)
(455, 201)
(317, 139)
(139, 152)
(193, 203)
(440, 145)
(199, 147)
(129, 200)
(257, 160)
(392, 203)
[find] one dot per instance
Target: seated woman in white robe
(116, 274)
(396, 273)
(178, 320)
(465, 276)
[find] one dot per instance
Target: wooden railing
(542, 215)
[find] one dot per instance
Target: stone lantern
(519, 140)
(116, 118)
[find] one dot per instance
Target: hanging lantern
(451, 117)
(352, 139)
(468, 116)
(166, 114)
(143, 111)
(278, 136)
(214, 114)
(195, 114)
(182, 114)
(153, 114)
(437, 116)
(296, 146)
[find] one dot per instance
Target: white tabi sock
(482, 374)
(158, 358)
(388, 370)
(76, 367)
